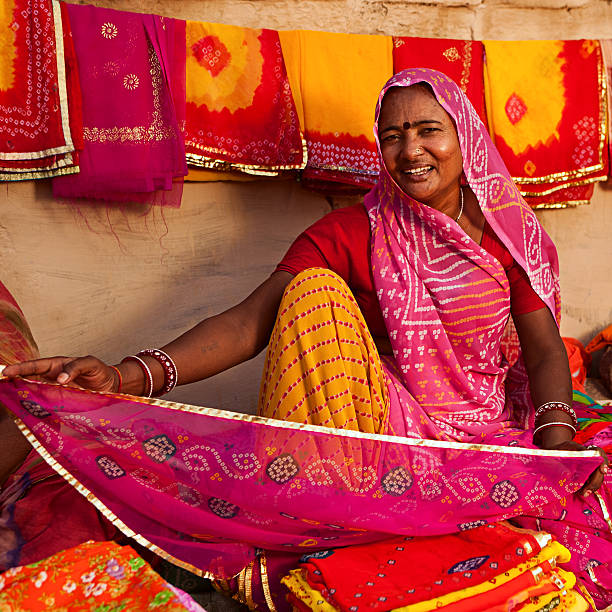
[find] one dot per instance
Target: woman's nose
(412, 149)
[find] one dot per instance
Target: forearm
(217, 343)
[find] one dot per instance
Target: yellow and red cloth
(461, 60)
(240, 112)
(546, 106)
(335, 79)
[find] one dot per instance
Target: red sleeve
(523, 298)
(339, 241)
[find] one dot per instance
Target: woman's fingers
(596, 479)
(48, 368)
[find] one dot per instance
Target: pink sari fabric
(240, 482)
(445, 300)
(132, 73)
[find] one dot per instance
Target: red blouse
(340, 242)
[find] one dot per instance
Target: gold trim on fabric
(342, 433)
(604, 509)
(587, 596)
(568, 204)
(106, 512)
(546, 192)
(603, 120)
(248, 585)
(210, 163)
(27, 176)
(265, 583)
(241, 578)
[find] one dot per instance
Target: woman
(444, 252)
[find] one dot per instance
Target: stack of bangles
(166, 362)
(558, 406)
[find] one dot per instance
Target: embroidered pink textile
(133, 87)
(446, 300)
(239, 482)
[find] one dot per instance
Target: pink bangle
(169, 367)
(561, 406)
(119, 377)
(148, 389)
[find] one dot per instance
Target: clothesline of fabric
(116, 104)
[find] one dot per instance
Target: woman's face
(420, 147)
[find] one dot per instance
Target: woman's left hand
(596, 479)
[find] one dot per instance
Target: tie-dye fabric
(445, 300)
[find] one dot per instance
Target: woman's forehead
(411, 103)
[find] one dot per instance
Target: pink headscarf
(445, 300)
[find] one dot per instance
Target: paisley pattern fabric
(240, 110)
(552, 147)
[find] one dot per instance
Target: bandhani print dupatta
(552, 147)
(445, 300)
(40, 128)
(240, 110)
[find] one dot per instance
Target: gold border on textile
(546, 192)
(265, 582)
(233, 416)
(68, 147)
(26, 176)
(603, 129)
(210, 163)
(559, 205)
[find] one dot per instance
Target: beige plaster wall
(110, 282)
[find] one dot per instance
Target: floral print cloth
(92, 577)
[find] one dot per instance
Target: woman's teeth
(417, 171)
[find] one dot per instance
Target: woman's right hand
(86, 372)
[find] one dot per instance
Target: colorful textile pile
(92, 577)
(555, 151)
(132, 75)
(461, 60)
(240, 110)
(40, 123)
(493, 567)
(335, 79)
(594, 422)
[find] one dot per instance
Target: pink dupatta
(445, 300)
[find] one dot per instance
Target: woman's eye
(390, 138)
(430, 130)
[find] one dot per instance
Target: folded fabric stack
(555, 151)
(95, 576)
(493, 567)
(40, 122)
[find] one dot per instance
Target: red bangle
(168, 365)
(561, 406)
(119, 377)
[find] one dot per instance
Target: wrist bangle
(119, 377)
(168, 365)
(553, 424)
(561, 406)
(148, 388)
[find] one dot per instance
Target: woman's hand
(86, 372)
(596, 479)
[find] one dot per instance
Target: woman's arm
(550, 381)
(214, 345)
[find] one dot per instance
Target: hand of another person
(596, 479)
(87, 372)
